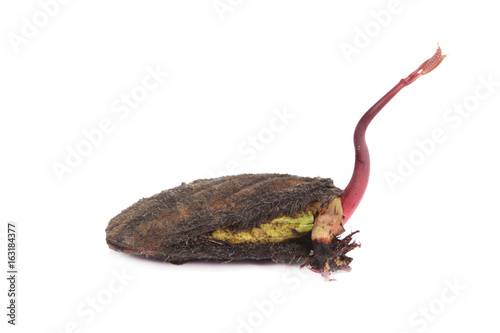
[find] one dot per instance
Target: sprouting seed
(276, 217)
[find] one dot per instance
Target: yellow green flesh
(278, 230)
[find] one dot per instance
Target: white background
(435, 227)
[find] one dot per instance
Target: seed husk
(178, 225)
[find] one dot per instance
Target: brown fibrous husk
(175, 224)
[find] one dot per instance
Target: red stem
(356, 188)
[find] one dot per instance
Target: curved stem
(356, 188)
